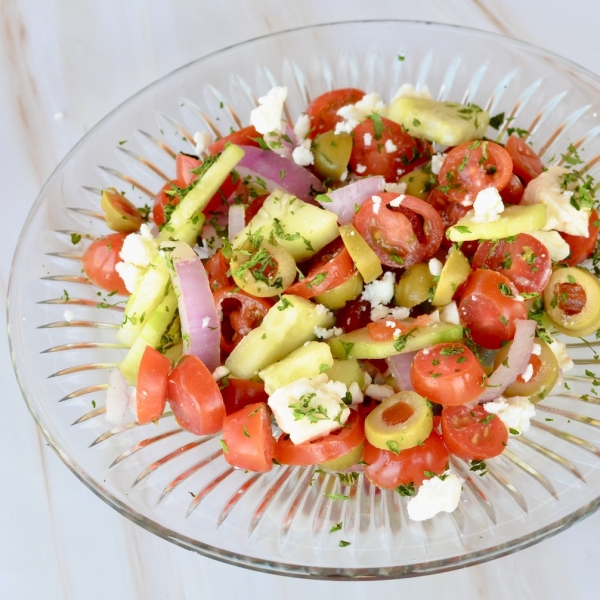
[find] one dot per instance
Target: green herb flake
(343, 544)
(393, 446)
(224, 446)
(336, 527)
(406, 489)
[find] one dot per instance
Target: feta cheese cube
(515, 412)
(438, 494)
(557, 247)
(437, 160)
(407, 90)
(302, 154)
(380, 291)
(266, 117)
(353, 114)
(302, 127)
(487, 206)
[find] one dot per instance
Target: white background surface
(77, 60)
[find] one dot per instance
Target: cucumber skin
(365, 347)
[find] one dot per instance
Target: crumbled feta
(379, 392)
(390, 146)
(487, 206)
(527, 374)
(266, 117)
(438, 494)
(537, 349)
(203, 140)
(380, 291)
(356, 393)
(353, 114)
(325, 334)
(323, 311)
(138, 251)
(437, 160)
(395, 188)
(367, 139)
(68, 316)
(302, 154)
(220, 373)
(561, 215)
(449, 314)
(344, 175)
(302, 127)
(396, 202)
(380, 311)
(435, 267)
(407, 90)
(557, 246)
(360, 169)
(376, 204)
(515, 412)
(310, 407)
(559, 349)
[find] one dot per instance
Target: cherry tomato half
(99, 260)
(184, 164)
(246, 136)
(238, 393)
(323, 109)
(526, 163)
(582, 247)
(472, 433)
(388, 470)
(397, 239)
(448, 374)
(151, 385)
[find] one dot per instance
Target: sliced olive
(332, 154)
(366, 261)
(120, 214)
(414, 286)
(345, 461)
(263, 269)
(542, 377)
(572, 301)
(400, 422)
(419, 183)
(455, 271)
(338, 296)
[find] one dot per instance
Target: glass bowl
(62, 330)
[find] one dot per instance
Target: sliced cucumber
(359, 344)
(447, 123)
(514, 220)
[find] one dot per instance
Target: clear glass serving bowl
(177, 485)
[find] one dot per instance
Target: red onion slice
(399, 365)
(236, 220)
(344, 199)
(278, 173)
(117, 398)
(200, 324)
(516, 361)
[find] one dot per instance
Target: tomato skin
(254, 206)
(216, 268)
(322, 111)
(392, 235)
(240, 313)
(239, 393)
(526, 163)
(513, 192)
(467, 170)
(99, 260)
(151, 385)
(248, 438)
(388, 470)
(448, 374)
(582, 247)
(355, 315)
(324, 449)
(472, 433)
(379, 331)
(194, 397)
(525, 261)
(184, 163)
(244, 137)
(486, 311)
(374, 159)
(162, 199)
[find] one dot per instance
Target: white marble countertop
(63, 66)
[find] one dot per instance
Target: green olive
(366, 261)
(545, 373)
(332, 154)
(400, 422)
(263, 269)
(345, 461)
(120, 214)
(414, 286)
(455, 271)
(572, 301)
(338, 296)
(419, 183)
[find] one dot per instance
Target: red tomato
(324, 449)
(488, 308)
(371, 156)
(238, 393)
(248, 439)
(216, 268)
(582, 247)
(239, 313)
(388, 470)
(513, 192)
(448, 374)
(392, 235)
(151, 385)
(195, 397)
(331, 273)
(472, 433)
(526, 163)
(99, 260)
(254, 206)
(382, 330)
(184, 164)
(524, 260)
(355, 315)
(244, 137)
(323, 109)
(472, 167)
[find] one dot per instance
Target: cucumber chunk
(447, 123)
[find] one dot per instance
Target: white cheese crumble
(376, 203)
(380, 311)
(380, 291)
(395, 188)
(557, 247)
(302, 154)
(435, 267)
(390, 146)
(561, 215)
(515, 412)
(449, 314)
(302, 126)
(407, 90)
(527, 374)
(360, 169)
(537, 349)
(434, 496)
(325, 334)
(323, 311)
(220, 373)
(266, 117)
(487, 206)
(138, 251)
(559, 349)
(353, 114)
(310, 407)
(356, 393)
(367, 139)
(203, 140)
(68, 316)
(379, 392)
(396, 202)
(437, 160)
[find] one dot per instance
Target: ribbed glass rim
(241, 560)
